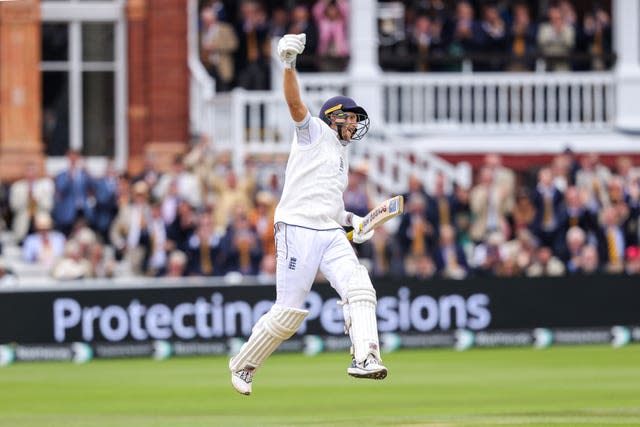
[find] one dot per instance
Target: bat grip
(350, 233)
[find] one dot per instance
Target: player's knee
(359, 287)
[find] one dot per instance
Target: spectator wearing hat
(129, 233)
(28, 196)
(45, 245)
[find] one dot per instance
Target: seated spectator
(176, 264)
(102, 265)
(72, 266)
(589, 262)
(489, 255)
(576, 241)
(45, 245)
(419, 266)
(545, 264)
(218, 44)
(332, 19)
(449, 257)
(27, 197)
(556, 40)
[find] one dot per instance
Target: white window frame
(75, 13)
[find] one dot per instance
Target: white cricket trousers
(301, 252)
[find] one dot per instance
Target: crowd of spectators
(429, 35)
(572, 216)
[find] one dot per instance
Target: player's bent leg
(277, 325)
(363, 327)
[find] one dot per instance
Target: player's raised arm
(289, 47)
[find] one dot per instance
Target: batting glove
(289, 47)
(358, 235)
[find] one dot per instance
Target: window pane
(97, 41)
(55, 112)
(55, 42)
(98, 114)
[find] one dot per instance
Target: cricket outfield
(558, 386)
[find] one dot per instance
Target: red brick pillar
(20, 92)
(158, 79)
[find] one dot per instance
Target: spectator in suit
(254, 50)
(575, 212)
(218, 44)
(589, 263)
(449, 257)
(425, 41)
(71, 194)
(241, 244)
(593, 176)
(415, 235)
(27, 197)
(556, 39)
(204, 250)
(155, 263)
(489, 255)
(547, 200)
(183, 225)
(521, 39)
(611, 241)
(576, 241)
(494, 39)
(105, 192)
(490, 203)
(301, 22)
(463, 34)
(442, 203)
(44, 246)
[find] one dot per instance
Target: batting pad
(361, 299)
(277, 325)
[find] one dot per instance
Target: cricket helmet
(333, 107)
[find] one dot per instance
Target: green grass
(560, 386)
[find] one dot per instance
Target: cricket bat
(382, 213)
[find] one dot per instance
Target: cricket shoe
(369, 368)
(241, 380)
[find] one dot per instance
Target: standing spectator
(155, 264)
(254, 52)
(523, 212)
(129, 233)
(425, 42)
(494, 39)
(415, 235)
(105, 192)
(27, 197)
(186, 183)
(489, 202)
(232, 192)
(332, 18)
(242, 246)
(183, 225)
(463, 34)
(301, 22)
(575, 212)
(150, 173)
(611, 241)
(45, 245)
(556, 40)
(521, 39)
(593, 176)
(218, 45)
(440, 210)
(72, 193)
(547, 200)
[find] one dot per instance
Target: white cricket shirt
(315, 178)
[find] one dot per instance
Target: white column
(626, 38)
(364, 70)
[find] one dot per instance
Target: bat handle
(350, 235)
